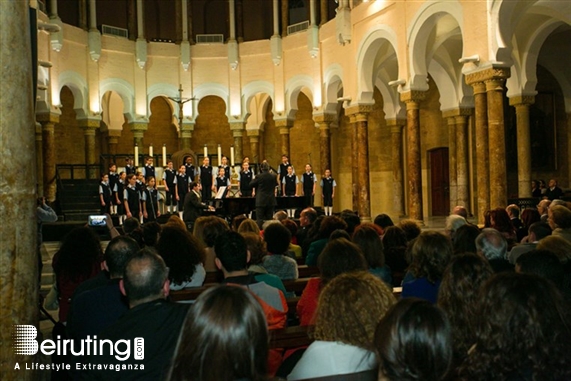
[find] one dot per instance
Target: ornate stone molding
(359, 109)
(283, 123)
(522, 100)
(324, 118)
(461, 111)
(492, 73)
(89, 124)
(48, 118)
(413, 96)
(237, 128)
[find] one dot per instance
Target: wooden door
(439, 181)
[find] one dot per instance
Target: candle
(151, 150)
(205, 151)
(164, 155)
(232, 155)
(136, 155)
(219, 155)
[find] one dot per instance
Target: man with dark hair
(265, 185)
(193, 205)
(130, 224)
(151, 321)
(278, 238)
(306, 219)
(536, 232)
(543, 263)
(383, 221)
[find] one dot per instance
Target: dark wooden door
(439, 181)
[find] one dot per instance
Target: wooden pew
(306, 271)
(296, 285)
(290, 337)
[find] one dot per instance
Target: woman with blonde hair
(349, 309)
(248, 226)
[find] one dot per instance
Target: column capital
(89, 124)
(461, 111)
(491, 73)
(113, 133)
(253, 133)
(48, 117)
(522, 100)
(283, 123)
(236, 126)
(412, 96)
(396, 125)
(139, 126)
(237, 133)
(323, 118)
(357, 109)
(187, 127)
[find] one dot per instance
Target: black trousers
(264, 213)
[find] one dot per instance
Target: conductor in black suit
(193, 205)
(265, 185)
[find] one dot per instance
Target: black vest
(245, 179)
(106, 188)
(283, 170)
(149, 171)
(113, 180)
(182, 185)
(308, 180)
(133, 200)
(290, 186)
(169, 178)
(130, 170)
(189, 172)
(206, 176)
(327, 186)
(152, 203)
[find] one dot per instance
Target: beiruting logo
(25, 343)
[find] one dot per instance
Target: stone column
(496, 138)
(186, 135)
(39, 160)
(237, 133)
(89, 127)
(112, 141)
(48, 122)
(363, 163)
(481, 126)
(18, 258)
(285, 17)
(323, 12)
(254, 136)
(396, 126)
(324, 122)
(284, 126)
(521, 104)
(452, 165)
(412, 99)
(461, 121)
(138, 129)
(354, 161)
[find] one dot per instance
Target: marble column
(324, 122)
(482, 161)
(462, 198)
(496, 139)
(324, 13)
(39, 160)
(354, 163)
(414, 175)
(521, 104)
(48, 122)
(18, 258)
(284, 126)
(139, 129)
(238, 151)
(254, 136)
(186, 136)
(285, 17)
(112, 142)
(452, 166)
(396, 126)
(89, 127)
(363, 166)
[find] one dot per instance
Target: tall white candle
(164, 155)
(219, 155)
(232, 155)
(151, 150)
(205, 151)
(136, 155)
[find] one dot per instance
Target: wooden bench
(290, 337)
(296, 285)
(306, 271)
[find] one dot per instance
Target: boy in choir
(129, 168)
(222, 181)
(150, 200)
(181, 188)
(149, 169)
(169, 179)
(132, 198)
(225, 166)
(105, 194)
(190, 171)
(121, 185)
(206, 179)
(282, 168)
(246, 176)
(140, 182)
(289, 187)
(308, 179)
(113, 180)
(328, 185)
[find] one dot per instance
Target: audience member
(543, 263)
(151, 233)
(257, 249)
(522, 332)
(312, 235)
(338, 257)
(537, 231)
(280, 215)
(340, 233)
(236, 221)
(413, 342)
(293, 246)
(351, 219)
(513, 213)
(328, 226)
(278, 239)
(458, 298)
(535, 191)
(493, 246)
(559, 219)
(558, 246)
(175, 220)
(249, 226)
(464, 240)
(460, 211)
(350, 307)
(224, 338)
(306, 219)
(131, 224)
(430, 253)
(367, 237)
(206, 230)
(395, 243)
(410, 228)
(453, 223)
(528, 217)
(184, 256)
(383, 221)
(500, 221)
(553, 192)
(542, 208)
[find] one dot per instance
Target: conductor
(265, 185)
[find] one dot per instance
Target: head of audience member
(131, 224)
(521, 329)
(543, 263)
(559, 217)
(291, 226)
(351, 219)
(394, 237)
(558, 246)
(543, 206)
(500, 221)
(118, 252)
(256, 247)
(453, 223)
(145, 278)
(430, 253)
(182, 252)
(458, 297)
(513, 211)
(207, 229)
(79, 255)
(280, 215)
(487, 219)
(349, 308)
(277, 238)
(383, 221)
(491, 244)
(268, 223)
(224, 338)
(137, 235)
(330, 224)
(413, 342)
(529, 216)
(340, 256)
(232, 254)
(249, 226)
(464, 240)
(410, 228)
(558, 201)
(151, 233)
(552, 183)
(461, 211)
(237, 221)
(175, 220)
(313, 229)
(538, 231)
(340, 233)
(368, 238)
(307, 217)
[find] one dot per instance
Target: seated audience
(542, 208)
(151, 233)
(453, 223)
(351, 219)
(430, 254)
(500, 221)
(257, 249)
(460, 211)
(206, 230)
(383, 221)
(184, 256)
(395, 243)
(493, 246)
(327, 226)
(312, 235)
(224, 338)
(559, 219)
(293, 246)
(522, 332)
(338, 257)
(306, 219)
(543, 263)
(458, 298)
(236, 221)
(249, 226)
(339, 233)
(280, 215)
(175, 220)
(368, 238)
(131, 224)
(278, 239)
(350, 307)
(410, 228)
(513, 214)
(558, 246)
(150, 316)
(528, 217)
(464, 240)
(537, 231)
(413, 342)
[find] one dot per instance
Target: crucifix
(181, 101)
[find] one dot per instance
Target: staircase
(78, 198)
